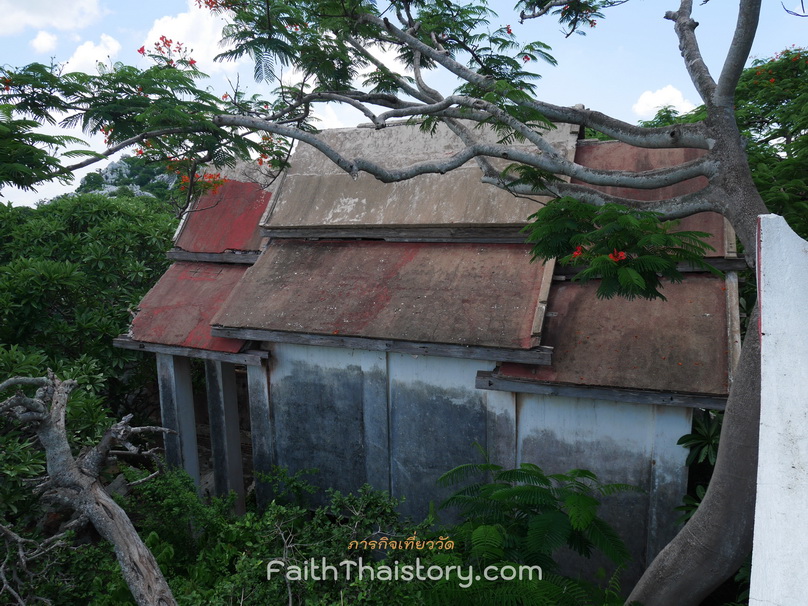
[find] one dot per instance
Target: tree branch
(426, 91)
(70, 483)
(111, 151)
(682, 135)
(675, 207)
(741, 45)
(685, 28)
(402, 83)
(651, 179)
(33, 381)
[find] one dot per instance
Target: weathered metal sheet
(224, 221)
(615, 155)
(676, 345)
(317, 193)
(435, 417)
(619, 442)
(178, 309)
(467, 294)
(329, 412)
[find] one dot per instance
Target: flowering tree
(328, 44)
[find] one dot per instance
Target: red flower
(142, 50)
(508, 29)
(225, 97)
(191, 62)
(617, 255)
(578, 252)
(772, 80)
(526, 58)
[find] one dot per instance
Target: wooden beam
(250, 357)
(261, 430)
(537, 355)
(719, 263)
(225, 440)
(548, 267)
(245, 258)
(506, 234)
(177, 412)
(733, 322)
(493, 381)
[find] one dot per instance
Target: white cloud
(650, 101)
(62, 15)
(44, 42)
(200, 31)
(89, 54)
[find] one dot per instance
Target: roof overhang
(457, 299)
(177, 311)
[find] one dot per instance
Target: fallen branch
(74, 482)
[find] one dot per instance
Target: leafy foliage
(523, 517)
(631, 251)
(703, 442)
(211, 556)
(26, 156)
(121, 102)
(773, 95)
(70, 271)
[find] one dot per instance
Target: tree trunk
(138, 566)
(718, 538)
(75, 483)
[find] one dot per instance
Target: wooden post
(261, 428)
(177, 411)
(225, 441)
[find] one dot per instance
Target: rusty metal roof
(678, 345)
(226, 220)
(452, 293)
(178, 309)
(616, 155)
(317, 193)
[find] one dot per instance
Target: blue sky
(626, 66)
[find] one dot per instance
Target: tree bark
(138, 566)
(718, 538)
(75, 483)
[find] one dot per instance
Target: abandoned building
(381, 330)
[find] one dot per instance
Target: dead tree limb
(74, 482)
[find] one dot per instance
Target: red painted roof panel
(226, 220)
(178, 309)
(676, 345)
(467, 294)
(615, 155)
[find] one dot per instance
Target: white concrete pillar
(225, 440)
(260, 429)
(177, 411)
(780, 549)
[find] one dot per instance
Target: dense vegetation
(71, 272)
(211, 556)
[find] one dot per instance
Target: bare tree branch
(685, 28)
(739, 49)
(675, 207)
(75, 483)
